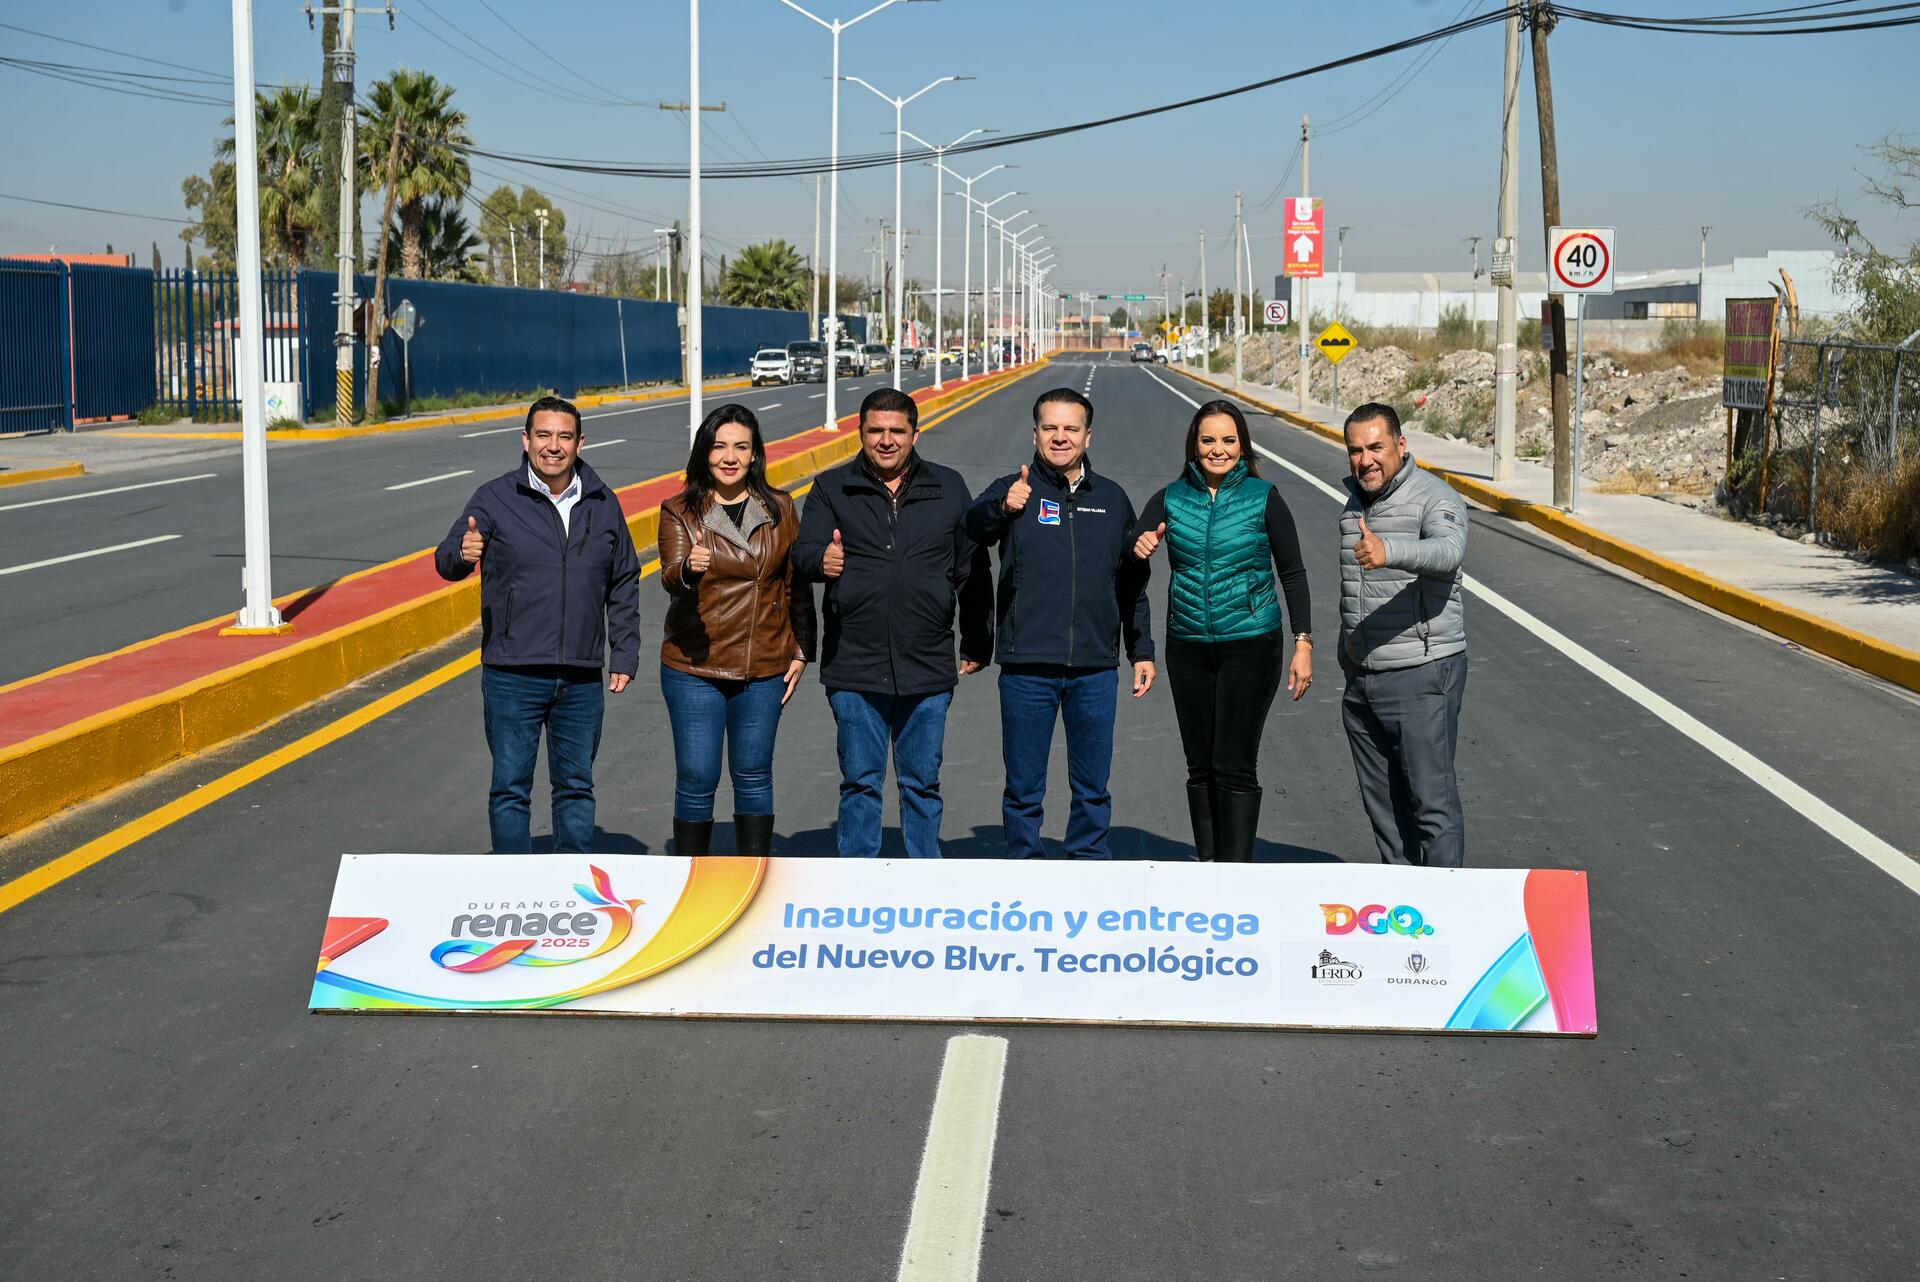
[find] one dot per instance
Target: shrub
(158, 416)
(1871, 509)
(1457, 328)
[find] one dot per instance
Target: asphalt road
(177, 541)
(173, 1111)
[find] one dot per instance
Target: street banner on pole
(1355, 946)
(1749, 353)
(1306, 236)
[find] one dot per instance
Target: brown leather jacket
(751, 613)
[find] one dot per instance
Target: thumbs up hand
(1370, 552)
(699, 556)
(1017, 495)
(472, 543)
(1147, 544)
(835, 559)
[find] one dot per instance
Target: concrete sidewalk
(1880, 605)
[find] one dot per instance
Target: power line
(551, 90)
(566, 67)
(94, 209)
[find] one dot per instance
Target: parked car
(1142, 352)
(848, 360)
(771, 365)
(875, 357)
(809, 362)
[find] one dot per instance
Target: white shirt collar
(571, 492)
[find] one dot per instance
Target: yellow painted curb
(437, 420)
(1869, 654)
(41, 776)
(51, 472)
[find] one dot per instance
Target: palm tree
(431, 164)
(449, 249)
(287, 127)
(767, 275)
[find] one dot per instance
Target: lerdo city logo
(531, 930)
(1375, 919)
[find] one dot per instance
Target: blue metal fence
(113, 331)
(196, 317)
(36, 372)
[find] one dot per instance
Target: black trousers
(1222, 692)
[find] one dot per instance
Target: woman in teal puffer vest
(1226, 531)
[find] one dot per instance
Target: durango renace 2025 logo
(1375, 919)
(486, 941)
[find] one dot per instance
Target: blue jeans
(916, 728)
(1032, 697)
(703, 711)
(568, 702)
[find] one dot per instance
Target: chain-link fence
(1842, 449)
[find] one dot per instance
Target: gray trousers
(1402, 726)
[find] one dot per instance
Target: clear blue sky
(1658, 133)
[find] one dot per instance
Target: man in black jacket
(1069, 589)
(884, 533)
(559, 579)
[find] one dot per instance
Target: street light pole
(541, 214)
(835, 27)
(986, 290)
(966, 258)
(696, 282)
(258, 613)
(900, 239)
(939, 245)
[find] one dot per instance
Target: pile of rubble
(1662, 431)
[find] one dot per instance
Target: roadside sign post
(405, 321)
(1336, 343)
(1582, 261)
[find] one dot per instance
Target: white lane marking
(81, 556)
(594, 445)
(492, 431)
(1843, 829)
(773, 405)
(118, 489)
(637, 409)
(429, 480)
(950, 1199)
(817, 396)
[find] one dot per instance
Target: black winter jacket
(1069, 584)
(889, 616)
(545, 599)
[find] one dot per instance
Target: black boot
(1239, 819)
(1200, 811)
(753, 834)
(692, 837)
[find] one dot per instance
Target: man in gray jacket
(1403, 642)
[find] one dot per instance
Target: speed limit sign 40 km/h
(1582, 259)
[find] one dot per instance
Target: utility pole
(1700, 299)
(347, 250)
(377, 305)
(1301, 281)
(1239, 336)
(541, 214)
(1543, 20)
(1206, 313)
(1506, 262)
(813, 310)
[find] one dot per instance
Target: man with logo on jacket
(559, 581)
(1403, 642)
(884, 533)
(1069, 589)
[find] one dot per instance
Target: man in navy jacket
(1069, 590)
(559, 580)
(884, 533)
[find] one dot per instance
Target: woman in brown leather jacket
(739, 629)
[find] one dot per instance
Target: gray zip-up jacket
(1409, 612)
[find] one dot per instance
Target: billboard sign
(1748, 362)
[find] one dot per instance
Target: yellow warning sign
(1335, 343)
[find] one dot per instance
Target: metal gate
(36, 371)
(196, 316)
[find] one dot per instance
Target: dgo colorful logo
(716, 891)
(546, 933)
(1375, 919)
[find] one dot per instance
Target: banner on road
(1337, 946)
(1748, 362)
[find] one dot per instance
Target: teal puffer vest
(1222, 587)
